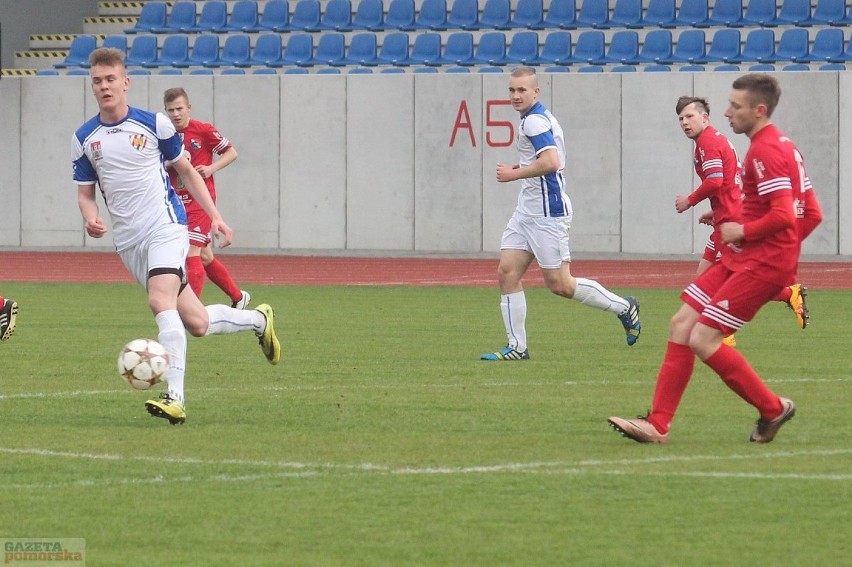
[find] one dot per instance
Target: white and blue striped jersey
(126, 160)
(542, 196)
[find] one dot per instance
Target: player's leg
(219, 275)
(743, 296)
(199, 238)
(513, 304)
(8, 316)
(709, 258)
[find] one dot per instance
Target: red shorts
(198, 224)
(711, 251)
(727, 300)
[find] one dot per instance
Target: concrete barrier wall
(406, 162)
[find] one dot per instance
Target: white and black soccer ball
(143, 363)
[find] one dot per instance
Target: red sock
(784, 295)
(739, 376)
(195, 274)
(219, 275)
(672, 380)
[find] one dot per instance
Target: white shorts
(545, 237)
(165, 248)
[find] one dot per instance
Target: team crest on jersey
(95, 150)
(195, 144)
(138, 141)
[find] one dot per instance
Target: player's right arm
(89, 209)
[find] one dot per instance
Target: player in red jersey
(765, 245)
(201, 140)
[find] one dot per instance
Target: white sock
(593, 294)
(173, 338)
(225, 320)
(514, 309)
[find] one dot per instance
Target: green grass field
(381, 439)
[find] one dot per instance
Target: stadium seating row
(370, 15)
(762, 67)
(494, 48)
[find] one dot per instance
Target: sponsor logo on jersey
(138, 141)
(759, 168)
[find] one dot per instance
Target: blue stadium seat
(561, 14)
(762, 68)
(590, 69)
(556, 49)
(796, 67)
(593, 13)
(205, 49)
(118, 41)
(623, 69)
(827, 46)
(625, 14)
(459, 49)
(760, 13)
(213, 16)
(623, 48)
(131, 72)
(392, 70)
(759, 46)
(829, 13)
(689, 48)
(235, 51)
(170, 71)
(655, 68)
(330, 49)
(369, 15)
(832, 67)
(523, 48)
(275, 16)
(267, 51)
(693, 14)
(174, 53)
(657, 47)
(201, 71)
(432, 15)
(296, 71)
(556, 69)
(528, 14)
(490, 70)
(426, 49)
(727, 68)
(660, 13)
(233, 71)
(180, 20)
(464, 15)
(306, 16)
(264, 71)
(590, 48)
(727, 13)
(400, 15)
(724, 47)
(143, 49)
(491, 49)
(394, 50)
(361, 71)
(47, 73)
(496, 15)
(78, 52)
(337, 16)
(152, 15)
(692, 68)
(793, 45)
(85, 72)
(794, 12)
(419, 70)
(457, 70)
(300, 50)
(362, 50)
(328, 71)
(243, 17)
(846, 55)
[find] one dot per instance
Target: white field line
(384, 385)
(303, 470)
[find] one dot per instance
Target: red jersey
(773, 170)
(715, 157)
(201, 140)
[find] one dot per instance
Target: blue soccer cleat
(630, 320)
(506, 353)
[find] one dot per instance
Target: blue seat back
(205, 50)
(236, 50)
(307, 15)
(432, 15)
(400, 15)
(331, 49)
(369, 15)
(561, 14)
(363, 49)
(152, 15)
(300, 49)
(496, 14)
(337, 16)
(593, 13)
(759, 45)
(523, 48)
(464, 14)
(657, 46)
(426, 49)
(394, 50)
(213, 17)
(660, 13)
(143, 49)
(528, 14)
(275, 16)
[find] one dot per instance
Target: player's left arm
(193, 183)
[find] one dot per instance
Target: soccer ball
(143, 363)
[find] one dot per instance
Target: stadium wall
(406, 162)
